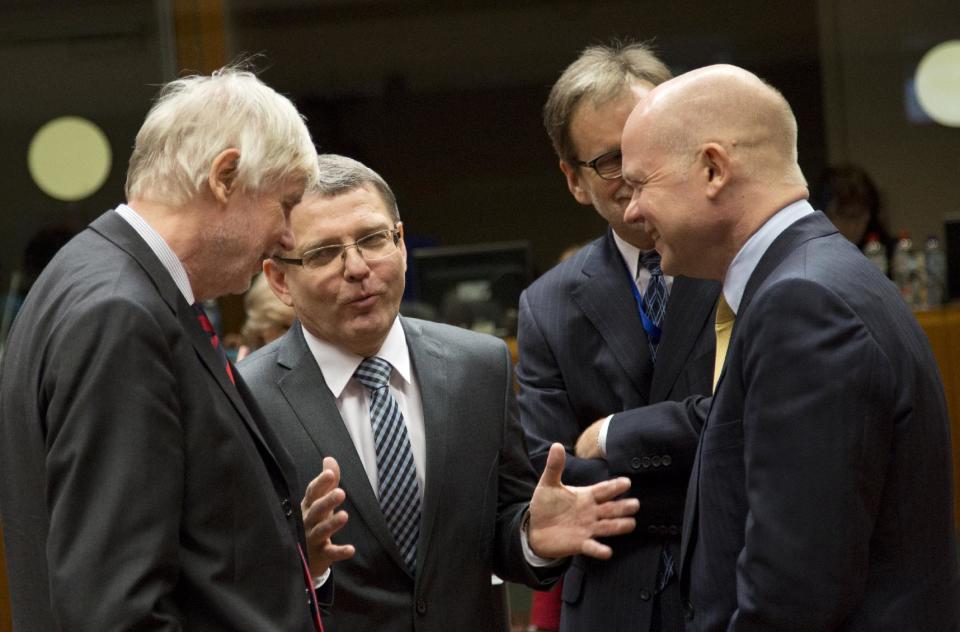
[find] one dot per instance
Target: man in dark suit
(820, 498)
(140, 487)
(422, 418)
(589, 350)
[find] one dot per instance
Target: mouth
(364, 301)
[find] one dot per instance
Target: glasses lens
(608, 165)
(377, 245)
(320, 257)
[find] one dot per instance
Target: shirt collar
(168, 258)
(339, 365)
(743, 265)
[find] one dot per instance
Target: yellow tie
(723, 327)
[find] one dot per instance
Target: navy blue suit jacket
(584, 355)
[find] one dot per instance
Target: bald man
(820, 497)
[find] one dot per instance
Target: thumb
(554, 469)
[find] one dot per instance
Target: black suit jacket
(478, 481)
(140, 488)
(584, 355)
(821, 495)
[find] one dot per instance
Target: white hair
(196, 118)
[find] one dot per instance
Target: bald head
(724, 144)
(734, 108)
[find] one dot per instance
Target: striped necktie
(214, 339)
(654, 298)
(723, 327)
(396, 473)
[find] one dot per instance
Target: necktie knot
(651, 261)
(374, 373)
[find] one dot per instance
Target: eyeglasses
(606, 165)
(378, 245)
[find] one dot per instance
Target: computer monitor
(475, 286)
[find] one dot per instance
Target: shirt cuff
(602, 437)
(320, 581)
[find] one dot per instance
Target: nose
(354, 265)
(632, 213)
(286, 237)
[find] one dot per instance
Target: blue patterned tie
(396, 474)
(655, 297)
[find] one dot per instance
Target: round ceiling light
(69, 158)
(938, 83)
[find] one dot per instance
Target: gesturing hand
(320, 521)
(566, 520)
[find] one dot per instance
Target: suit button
(645, 595)
(635, 463)
(674, 530)
(652, 529)
(666, 460)
(645, 461)
(287, 507)
(664, 530)
(421, 606)
(687, 610)
(656, 461)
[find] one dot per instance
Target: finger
(324, 529)
(614, 526)
(338, 552)
(324, 506)
(618, 508)
(330, 463)
(592, 548)
(554, 468)
(319, 486)
(612, 488)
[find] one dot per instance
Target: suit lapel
(117, 230)
(303, 386)
(428, 361)
(604, 296)
(689, 309)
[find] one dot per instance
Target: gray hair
(339, 174)
(601, 73)
(196, 118)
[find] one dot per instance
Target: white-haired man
(140, 487)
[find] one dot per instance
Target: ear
(715, 168)
(573, 183)
(276, 275)
(223, 174)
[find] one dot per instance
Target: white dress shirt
(160, 248)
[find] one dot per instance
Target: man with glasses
(422, 419)
(603, 333)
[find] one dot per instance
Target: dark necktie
(654, 298)
(396, 473)
(214, 340)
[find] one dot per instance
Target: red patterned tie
(214, 340)
(314, 606)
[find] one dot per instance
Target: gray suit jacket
(584, 355)
(140, 489)
(821, 494)
(478, 481)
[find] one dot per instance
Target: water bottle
(903, 268)
(876, 253)
(936, 272)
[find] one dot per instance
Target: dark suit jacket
(140, 489)
(477, 486)
(821, 496)
(584, 355)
